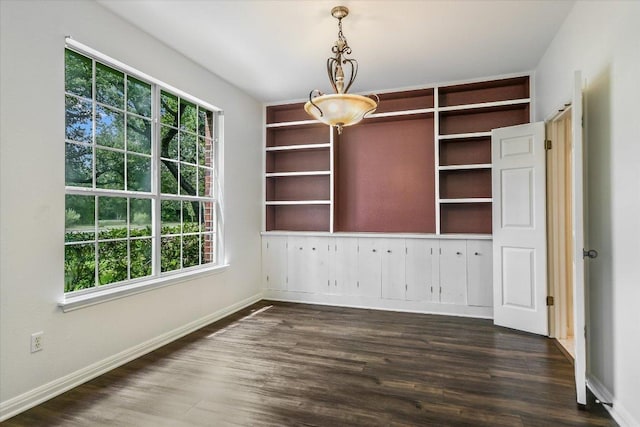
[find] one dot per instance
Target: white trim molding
(56, 387)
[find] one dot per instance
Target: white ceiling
(277, 49)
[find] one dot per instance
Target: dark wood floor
(282, 364)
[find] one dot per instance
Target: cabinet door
(274, 262)
(317, 258)
(479, 271)
(343, 265)
(453, 271)
(369, 268)
(421, 270)
(307, 264)
(392, 269)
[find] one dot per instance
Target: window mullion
(156, 184)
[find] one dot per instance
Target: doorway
(559, 229)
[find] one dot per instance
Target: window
(140, 177)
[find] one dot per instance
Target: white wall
(32, 198)
(603, 40)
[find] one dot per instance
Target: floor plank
(281, 364)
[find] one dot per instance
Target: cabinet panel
(369, 268)
(453, 272)
(308, 259)
(421, 269)
(274, 262)
(393, 281)
(480, 274)
(343, 265)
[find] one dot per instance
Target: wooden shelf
(298, 217)
(474, 121)
(308, 173)
(483, 105)
(468, 200)
(297, 202)
(463, 218)
(287, 113)
(484, 92)
(465, 151)
(293, 124)
(465, 167)
(465, 184)
(407, 100)
(299, 147)
(465, 135)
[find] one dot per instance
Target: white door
(343, 264)
(453, 272)
(577, 202)
(519, 228)
(274, 262)
(317, 262)
(369, 268)
(420, 268)
(298, 265)
(479, 269)
(392, 273)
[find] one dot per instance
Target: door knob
(458, 253)
(388, 251)
(591, 253)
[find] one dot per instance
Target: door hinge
(547, 144)
(267, 245)
(549, 300)
(267, 277)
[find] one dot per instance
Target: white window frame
(97, 294)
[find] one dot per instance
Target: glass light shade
(340, 109)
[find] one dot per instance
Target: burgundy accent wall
(490, 91)
(298, 160)
(298, 218)
(385, 177)
(465, 218)
(315, 187)
(312, 134)
(465, 151)
(462, 184)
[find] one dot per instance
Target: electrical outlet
(37, 341)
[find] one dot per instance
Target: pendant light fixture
(340, 109)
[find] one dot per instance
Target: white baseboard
(619, 413)
(54, 388)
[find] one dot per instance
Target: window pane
(138, 173)
(109, 127)
(140, 258)
(79, 218)
(78, 122)
(190, 250)
(138, 97)
(138, 134)
(139, 217)
(188, 179)
(205, 180)
(205, 123)
(168, 180)
(109, 169)
(109, 86)
(170, 254)
(190, 217)
(208, 223)
(188, 147)
(112, 262)
(112, 217)
(205, 147)
(188, 116)
(78, 165)
(170, 214)
(79, 267)
(77, 74)
(169, 143)
(207, 248)
(168, 109)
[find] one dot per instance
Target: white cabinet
(453, 272)
(308, 264)
(479, 273)
(421, 269)
(343, 266)
(410, 273)
(274, 262)
(369, 268)
(392, 271)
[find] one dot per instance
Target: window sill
(72, 303)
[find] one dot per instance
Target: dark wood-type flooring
(277, 364)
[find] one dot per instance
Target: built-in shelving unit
(420, 164)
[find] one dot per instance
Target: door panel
(393, 268)
(369, 268)
(343, 261)
(420, 271)
(274, 262)
(453, 272)
(479, 268)
(519, 228)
